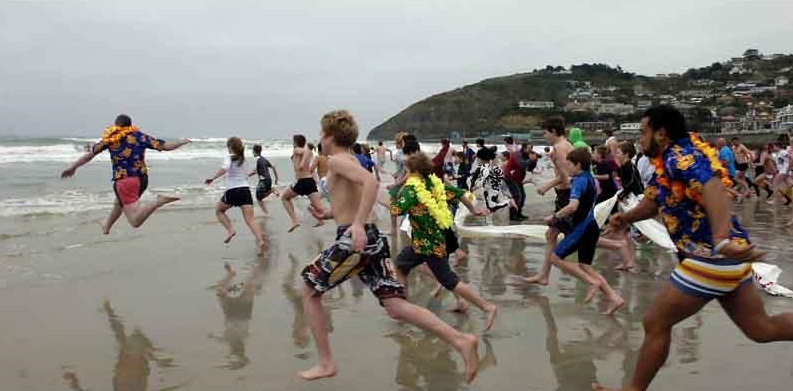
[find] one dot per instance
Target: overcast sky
(271, 68)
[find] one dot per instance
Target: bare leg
(577, 271)
(464, 291)
(616, 301)
(115, 213)
(315, 314)
(542, 279)
(465, 344)
(316, 202)
(625, 249)
(669, 308)
(137, 213)
(265, 212)
(225, 283)
(745, 308)
(223, 218)
(247, 214)
(286, 198)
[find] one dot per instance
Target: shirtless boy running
(360, 249)
(304, 181)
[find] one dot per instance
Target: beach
(138, 309)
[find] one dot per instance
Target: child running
(360, 249)
(237, 192)
(424, 198)
(583, 237)
(489, 177)
(265, 186)
(127, 146)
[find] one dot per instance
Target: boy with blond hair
(360, 249)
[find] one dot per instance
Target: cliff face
(474, 109)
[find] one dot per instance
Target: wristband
(717, 248)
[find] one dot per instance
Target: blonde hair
(341, 126)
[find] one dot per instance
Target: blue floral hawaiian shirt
(685, 218)
(128, 155)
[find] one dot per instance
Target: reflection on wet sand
(426, 362)
(136, 352)
(300, 331)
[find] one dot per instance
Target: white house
(781, 81)
(534, 104)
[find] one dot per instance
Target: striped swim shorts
(710, 278)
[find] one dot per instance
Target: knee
(393, 310)
(654, 327)
(759, 333)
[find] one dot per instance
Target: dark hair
(505, 154)
(237, 150)
(509, 140)
(464, 142)
(580, 156)
(123, 120)
(486, 154)
(628, 149)
(420, 163)
(299, 140)
(257, 149)
(602, 151)
(735, 139)
(409, 137)
(445, 141)
(411, 147)
(379, 143)
(357, 149)
(310, 146)
(319, 147)
(480, 142)
(554, 124)
(669, 118)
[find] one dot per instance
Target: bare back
(381, 149)
(561, 167)
(297, 162)
(322, 166)
(345, 195)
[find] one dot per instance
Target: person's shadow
(138, 363)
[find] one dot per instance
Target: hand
(391, 186)
(68, 173)
(541, 190)
(318, 213)
(480, 212)
(742, 253)
(548, 219)
(617, 223)
(512, 203)
(358, 236)
(208, 181)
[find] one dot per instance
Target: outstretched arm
(171, 145)
(87, 157)
(218, 174)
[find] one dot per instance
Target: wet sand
(165, 327)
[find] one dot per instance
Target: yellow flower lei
(677, 188)
(114, 134)
(435, 201)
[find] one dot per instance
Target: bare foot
(461, 307)
(294, 227)
(228, 268)
(319, 224)
(535, 279)
(229, 237)
(166, 199)
(591, 291)
(259, 248)
(437, 291)
(319, 371)
(468, 350)
(614, 306)
(598, 387)
(491, 316)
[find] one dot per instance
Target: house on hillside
(535, 104)
(780, 81)
(595, 126)
(616, 109)
(751, 55)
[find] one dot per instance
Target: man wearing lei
(424, 198)
(127, 146)
(689, 191)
